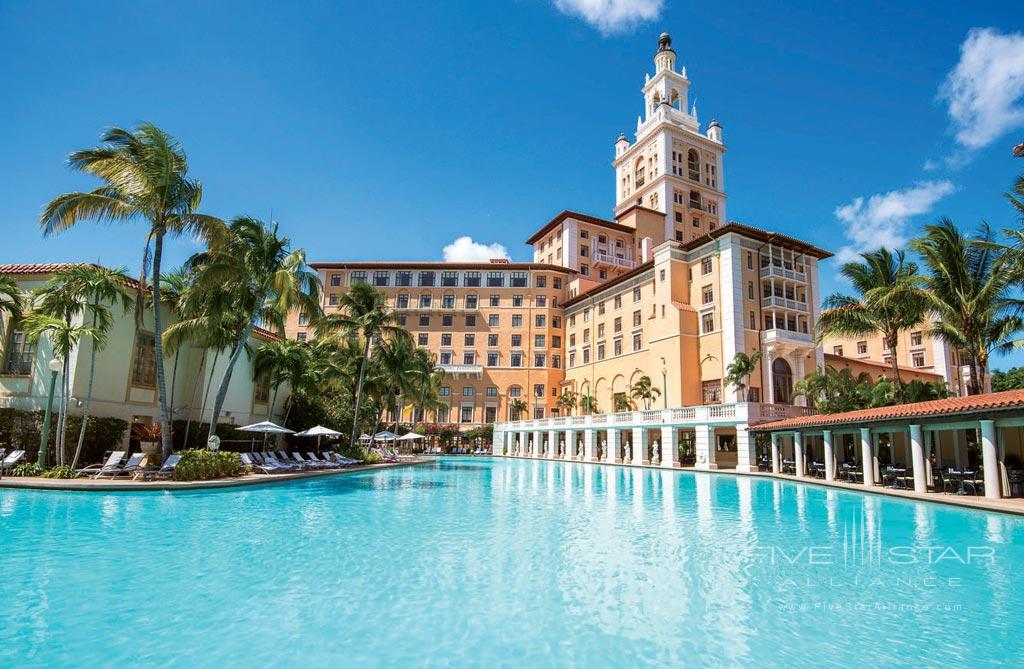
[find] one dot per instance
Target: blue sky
(380, 130)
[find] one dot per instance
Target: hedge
(201, 465)
(20, 429)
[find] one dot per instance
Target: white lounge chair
(326, 464)
(259, 466)
(11, 460)
(167, 469)
(133, 466)
(112, 464)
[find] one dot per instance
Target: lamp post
(664, 384)
(55, 365)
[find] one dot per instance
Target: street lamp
(55, 365)
(664, 383)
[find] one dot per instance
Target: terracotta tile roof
(1010, 399)
(442, 265)
(845, 359)
(759, 235)
(586, 218)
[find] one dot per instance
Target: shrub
(202, 465)
(370, 457)
(60, 472)
(23, 428)
(27, 469)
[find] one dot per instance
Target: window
(492, 340)
(617, 346)
(617, 324)
(445, 391)
(917, 359)
(637, 341)
(446, 339)
(447, 320)
(471, 279)
(556, 361)
(617, 302)
(539, 320)
(707, 294)
(471, 321)
(517, 320)
(422, 338)
(516, 360)
(539, 359)
(556, 322)
(426, 278)
(517, 340)
(517, 300)
(403, 278)
(425, 301)
(541, 282)
(538, 413)
(515, 391)
(495, 300)
(446, 358)
(492, 391)
(584, 270)
(707, 322)
(301, 336)
(572, 358)
(20, 353)
(600, 350)
(586, 315)
(750, 260)
(636, 319)
(600, 329)
(495, 279)
(540, 301)
(424, 321)
(712, 391)
(332, 299)
(492, 320)
(492, 359)
(449, 278)
(556, 283)
(838, 350)
(705, 266)
(915, 338)
(862, 347)
(519, 280)
(466, 415)
(381, 278)
(471, 301)
(335, 280)
(636, 294)
(448, 301)
(469, 358)
(584, 234)
(750, 290)
(144, 365)
(469, 338)
(356, 277)
(538, 390)
(586, 356)
(584, 251)
(490, 414)
(539, 341)
(303, 319)
(753, 321)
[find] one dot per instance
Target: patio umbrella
(411, 436)
(266, 427)
(318, 431)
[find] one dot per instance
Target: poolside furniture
(112, 464)
(326, 464)
(132, 467)
(341, 459)
(271, 460)
(789, 466)
(167, 469)
(11, 460)
(259, 466)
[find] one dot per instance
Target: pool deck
(1014, 505)
(107, 485)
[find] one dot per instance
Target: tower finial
(664, 42)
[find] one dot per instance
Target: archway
(782, 381)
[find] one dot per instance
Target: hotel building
(668, 289)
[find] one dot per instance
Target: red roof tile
(1010, 399)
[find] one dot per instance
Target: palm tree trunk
(174, 380)
(88, 397)
(209, 386)
(892, 341)
(192, 403)
(359, 392)
(222, 392)
(273, 402)
(158, 348)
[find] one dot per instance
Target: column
(746, 450)
(524, 444)
(639, 445)
(669, 446)
(510, 443)
(570, 444)
(917, 455)
(589, 434)
(706, 447)
(552, 444)
(538, 437)
(614, 447)
(866, 456)
(830, 462)
(876, 447)
(776, 455)
(990, 458)
(798, 453)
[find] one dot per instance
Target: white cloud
(612, 16)
(464, 249)
(881, 219)
(985, 88)
(930, 165)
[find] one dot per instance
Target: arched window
(639, 176)
(782, 381)
(675, 100)
(694, 199)
(693, 165)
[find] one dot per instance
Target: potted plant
(148, 435)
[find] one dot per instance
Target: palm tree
(144, 174)
(174, 287)
(1016, 197)
(644, 391)
(517, 406)
(400, 368)
(263, 278)
(588, 403)
(622, 402)
(568, 400)
(427, 398)
(281, 361)
(363, 313)
(64, 337)
(737, 374)
(11, 298)
(970, 284)
(94, 288)
(890, 301)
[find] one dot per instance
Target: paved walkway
(80, 485)
(1013, 505)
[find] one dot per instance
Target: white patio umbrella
(266, 427)
(411, 437)
(318, 431)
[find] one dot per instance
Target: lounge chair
(259, 466)
(133, 467)
(341, 459)
(298, 460)
(271, 460)
(112, 464)
(167, 469)
(326, 464)
(11, 460)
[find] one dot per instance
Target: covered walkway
(958, 446)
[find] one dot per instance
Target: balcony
(602, 258)
(778, 271)
(465, 371)
(783, 303)
(781, 336)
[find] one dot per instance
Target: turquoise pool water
(479, 562)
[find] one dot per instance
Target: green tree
(588, 403)
(567, 401)
(516, 407)
(281, 361)
(644, 391)
(264, 279)
(1011, 379)
(145, 177)
(11, 298)
(622, 402)
(1016, 197)
(969, 286)
(889, 300)
(737, 374)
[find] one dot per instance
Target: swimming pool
(480, 562)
